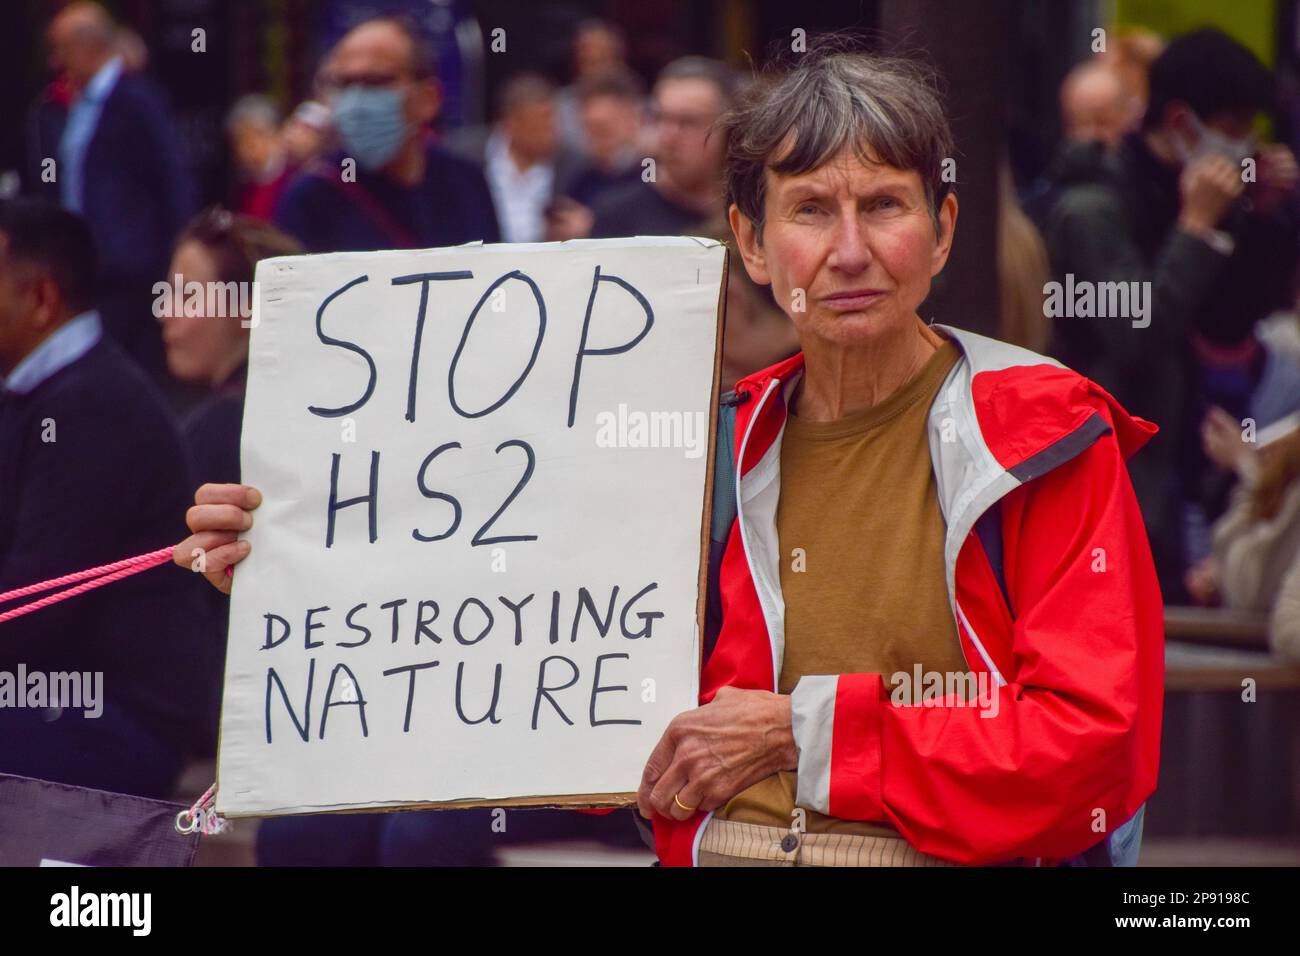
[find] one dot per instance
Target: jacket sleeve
(1062, 753)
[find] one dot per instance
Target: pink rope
(104, 574)
(199, 819)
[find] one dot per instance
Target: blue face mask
(370, 123)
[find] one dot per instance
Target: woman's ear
(943, 241)
(751, 251)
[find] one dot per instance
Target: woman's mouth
(852, 299)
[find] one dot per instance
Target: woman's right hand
(219, 515)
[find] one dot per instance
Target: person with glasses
(683, 187)
(387, 186)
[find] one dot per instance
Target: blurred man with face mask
(387, 186)
(1192, 211)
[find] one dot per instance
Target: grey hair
(887, 108)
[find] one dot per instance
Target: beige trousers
(727, 843)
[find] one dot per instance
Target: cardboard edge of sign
(584, 801)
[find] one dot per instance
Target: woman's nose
(852, 252)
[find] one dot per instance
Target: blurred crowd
(1165, 178)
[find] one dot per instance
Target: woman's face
(200, 348)
(849, 249)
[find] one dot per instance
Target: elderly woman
(922, 513)
(938, 629)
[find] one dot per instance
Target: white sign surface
(475, 574)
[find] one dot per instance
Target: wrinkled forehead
(854, 169)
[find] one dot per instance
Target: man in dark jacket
(114, 156)
(388, 187)
(1201, 228)
(82, 426)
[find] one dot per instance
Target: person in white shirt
(520, 157)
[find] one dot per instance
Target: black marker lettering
(281, 639)
(313, 626)
(359, 703)
(422, 623)
(543, 690)
(430, 493)
(410, 690)
(424, 278)
(584, 600)
(647, 617)
(515, 609)
(487, 626)
(356, 627)
(336, 506)
(597, 689)
(519, 486)
(304, 726)
(469, 324)
(351, 347)
(496, 693)
(395, 604)
(583, 351)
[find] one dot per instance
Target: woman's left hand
(710, 754)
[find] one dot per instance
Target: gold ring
(677, 801)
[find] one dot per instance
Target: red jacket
(1073, 647)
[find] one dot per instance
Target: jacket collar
(1016, 379)
(57, 351)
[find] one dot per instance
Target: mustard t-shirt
(862, 570)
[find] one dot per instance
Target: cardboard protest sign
(477, 572)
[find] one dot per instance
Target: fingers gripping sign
(220, 513)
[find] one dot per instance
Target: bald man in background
(1094, 104)
(112, 153)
